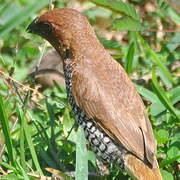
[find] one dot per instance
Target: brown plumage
(101, 89)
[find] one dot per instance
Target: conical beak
(32, 28)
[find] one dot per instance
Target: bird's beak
(32, 28)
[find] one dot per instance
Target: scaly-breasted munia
(103, 98)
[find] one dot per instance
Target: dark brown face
(67, 30)
(43, 29)
(46, 30)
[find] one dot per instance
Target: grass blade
(6, 130)
(29, 140)
(130, 58)
(162, 95)
(7, 166)
(25, 176)
(22, 148)
(161, 66)
(22, 15)
(81, 156)
(154, 57)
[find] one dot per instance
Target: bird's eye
(46, 27)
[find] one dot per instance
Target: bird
(102, 96)
(49, 70)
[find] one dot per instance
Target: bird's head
(64, 28)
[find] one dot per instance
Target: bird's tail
(140, 171)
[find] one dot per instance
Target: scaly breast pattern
(103, 146)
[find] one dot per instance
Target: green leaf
(92, 158)
(174, 42)
(147, 94)
(168, 161)
(111, 44)
(127, 24)
(162, 136)
(175, 94)
(161, 66)
(81, 156)
(130, 58)
(168, 11)
(118, 6)
(162, 96)
(156, 107)
(166, 175)
(174, 150)
(174, 16)
(164, 78)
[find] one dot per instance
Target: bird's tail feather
(140, 171)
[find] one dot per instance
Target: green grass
(38, 133)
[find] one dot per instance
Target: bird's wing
(116, 107)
